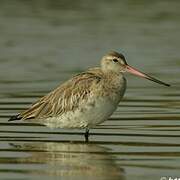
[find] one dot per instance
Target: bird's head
(113, 62)
(116, 63)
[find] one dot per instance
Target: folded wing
(67, 97)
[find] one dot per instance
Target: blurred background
(46, 37)
(45, 42)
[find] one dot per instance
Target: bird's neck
(113, 75)
(115, 85)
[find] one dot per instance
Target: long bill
(143, 75)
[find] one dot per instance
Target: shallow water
(44, 43)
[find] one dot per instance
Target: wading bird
(87, 99)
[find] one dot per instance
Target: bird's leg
(86, 135)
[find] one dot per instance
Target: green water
(45, 42)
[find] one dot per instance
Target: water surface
(44, 43)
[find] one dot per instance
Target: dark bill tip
(157, 81)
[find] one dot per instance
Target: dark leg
(86, 135)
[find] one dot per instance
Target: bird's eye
(115, 60)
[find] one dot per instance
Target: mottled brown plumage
(66, 97)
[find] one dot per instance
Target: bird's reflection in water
(71, 160)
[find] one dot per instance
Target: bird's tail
(14, 118)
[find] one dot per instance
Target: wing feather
(67, 97)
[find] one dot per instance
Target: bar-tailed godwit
(87, 99)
